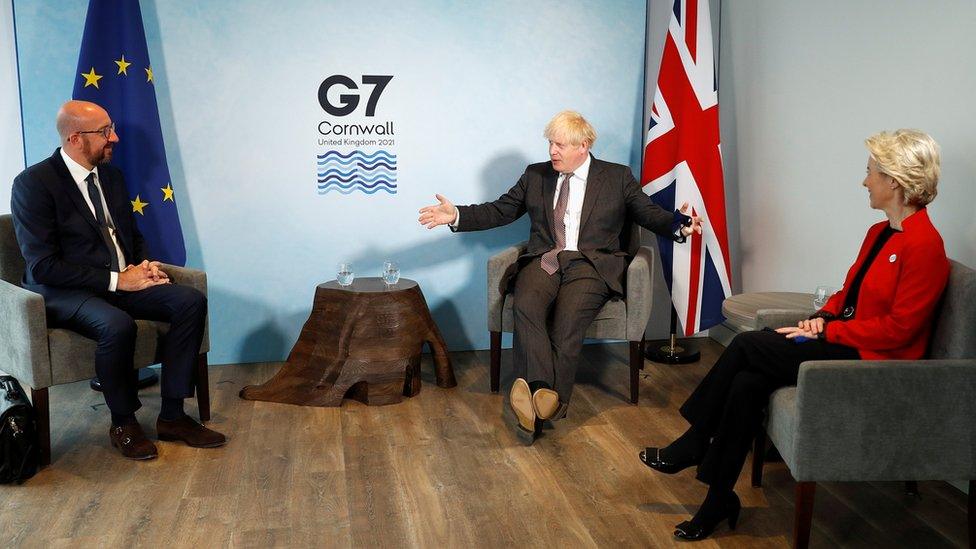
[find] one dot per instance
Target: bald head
(78, 116)
(81, 125)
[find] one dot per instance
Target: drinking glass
(821, 295)
(391, 273)
(345, 274)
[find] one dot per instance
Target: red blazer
(899, 293)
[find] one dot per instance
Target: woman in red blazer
(884, 311)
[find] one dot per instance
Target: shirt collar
(584, 169)
(77, 171)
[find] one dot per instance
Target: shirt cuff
(679, 221)
(113, 281)
(457, 219)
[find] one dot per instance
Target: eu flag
(114, 71)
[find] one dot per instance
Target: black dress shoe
(704, 522)
(652, 458)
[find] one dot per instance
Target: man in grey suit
(580, 209)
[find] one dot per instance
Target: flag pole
(672, 351)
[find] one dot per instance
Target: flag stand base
(672, 351)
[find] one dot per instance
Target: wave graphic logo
(357, 171)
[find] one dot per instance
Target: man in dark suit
(579, 208)
(84, 254)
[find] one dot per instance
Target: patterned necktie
(103, 225)
(550, 261)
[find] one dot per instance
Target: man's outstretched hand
(437, 214)
(696, 222)
(141, 276)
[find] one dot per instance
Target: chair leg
(636, 363)
(203, 387)
(972, 514)
(758, 458)
(803, 514)
(496, 359)
(643, 349)
(43, 412)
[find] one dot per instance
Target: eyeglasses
(106, 131)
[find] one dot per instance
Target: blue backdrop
(473, 85)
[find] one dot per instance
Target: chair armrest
(196, 279)
(186, 276)
(23, 331)
(778, 318)
(886, 420)
(639, 292)
(498, 264)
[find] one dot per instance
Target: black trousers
(728, 405)
(552, 313)
(109, 319)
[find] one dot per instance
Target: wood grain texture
(362, 342)
(443, 469)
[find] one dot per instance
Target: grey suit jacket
(612, 201)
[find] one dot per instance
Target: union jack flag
(683, 163)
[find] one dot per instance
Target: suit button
(107, 265)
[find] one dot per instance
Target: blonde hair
(570, 127)
(910, 157)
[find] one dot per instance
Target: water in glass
(820, 296)
(391, 273)
(344, 274)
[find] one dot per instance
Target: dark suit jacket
(67, 258)
(612, 201)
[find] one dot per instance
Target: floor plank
(441, 469)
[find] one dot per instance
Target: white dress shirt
(79, 173)
(574, 204)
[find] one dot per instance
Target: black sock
(689, 446)
(119, 420)
(536, 385)
(172, 409)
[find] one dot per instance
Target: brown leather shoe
(132, 442)
(545, 402)
(190, 432)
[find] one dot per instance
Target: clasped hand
(811, 328)
(139, 277)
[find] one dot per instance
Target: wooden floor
(440, 470)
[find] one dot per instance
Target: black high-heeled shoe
(652, 458)
(700, 528)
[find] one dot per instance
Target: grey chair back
(954, 336)
(11, 262)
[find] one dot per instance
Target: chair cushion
(72, 355)
(610, 322)
(781, 423)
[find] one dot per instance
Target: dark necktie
(103, 224)
(550, 259)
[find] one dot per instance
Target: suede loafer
(132, 442)
(189, 431)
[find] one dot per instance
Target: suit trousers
(728, 405)
(109, 319)
(552, 313)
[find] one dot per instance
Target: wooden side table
(740, 311)
(361, 341)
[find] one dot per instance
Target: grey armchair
(624, 318)
(40, 357)
(870, 420)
